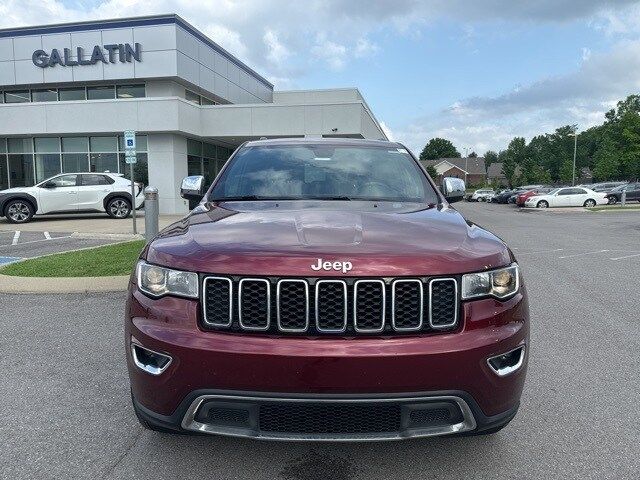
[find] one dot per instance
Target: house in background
(471, 169)
(495, 177)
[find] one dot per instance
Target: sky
(477, 72)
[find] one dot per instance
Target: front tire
(542, 204)
(613, 200)
(19, 211)
(119, 207)
(590, 203)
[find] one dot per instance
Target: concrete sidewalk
(84, 223)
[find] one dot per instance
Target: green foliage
(607, 164)
(473, 155)
(431, 170)
(490, 157)
(611, 150)
(439, 148)
(516, 154)
(118, 259)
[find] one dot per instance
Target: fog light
(508, 362)
(151, 362)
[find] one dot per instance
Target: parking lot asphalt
(15, 245)
(65, 398)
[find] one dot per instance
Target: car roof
(329, 141)
(111, 174)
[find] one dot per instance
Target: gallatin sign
(113, 53)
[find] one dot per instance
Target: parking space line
(585, 253)
(539, 253)
(16, 237)
(36, 241)
(47, 236)
(626, 256)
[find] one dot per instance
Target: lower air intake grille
(312, 418)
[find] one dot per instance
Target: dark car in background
(632, 189)
(514, 195)
(605, 186)
(502, 197)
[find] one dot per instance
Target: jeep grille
(317, 306)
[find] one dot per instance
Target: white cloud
(334, 54)
(586, 54)
(387, 131)
(364, 48)
(278, 53)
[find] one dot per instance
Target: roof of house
(495, 170)
(471, 165)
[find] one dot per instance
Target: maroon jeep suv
(325, 289)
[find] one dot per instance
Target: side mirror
(453, 189)
(192, 188)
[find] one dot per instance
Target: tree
(607, 164)
(515, 155)
(473, 155)
(490, 157)
(439, 148)
(431, 170)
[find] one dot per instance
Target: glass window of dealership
(27, 161)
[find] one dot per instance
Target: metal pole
(575, 150)
(151, 213)
(133, 201)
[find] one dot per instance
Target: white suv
(71, 193)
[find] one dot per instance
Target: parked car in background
(633, 193)
(503, 196)
(481, 195)
(514, 195)
(567, 197)
(606, 186)
(71, 193)
(522, 198)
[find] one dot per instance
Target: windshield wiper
(328, 197)
(238, 198)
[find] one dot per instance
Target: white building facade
(68, 91)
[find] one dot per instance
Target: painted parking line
(626, 256)
(541, 252)
(35, 241)
(583, 254)
(16, 237)
(8, 260)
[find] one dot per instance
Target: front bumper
(402, 369)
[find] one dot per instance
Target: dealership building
(69, 91)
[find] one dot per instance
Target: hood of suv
(287, 237)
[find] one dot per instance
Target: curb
(10, 284)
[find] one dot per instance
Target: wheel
(119, 207)
(543, 204)
(613, 200)
(19, 211)
(590, 203)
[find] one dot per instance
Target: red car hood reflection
(286, 238)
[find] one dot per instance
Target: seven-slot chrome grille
(315, 306)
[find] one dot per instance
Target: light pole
(466, 163)
(575, 151)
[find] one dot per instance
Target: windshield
(324, 171)
(552, 192)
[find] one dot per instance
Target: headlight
(159, 281)
(501, 283)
